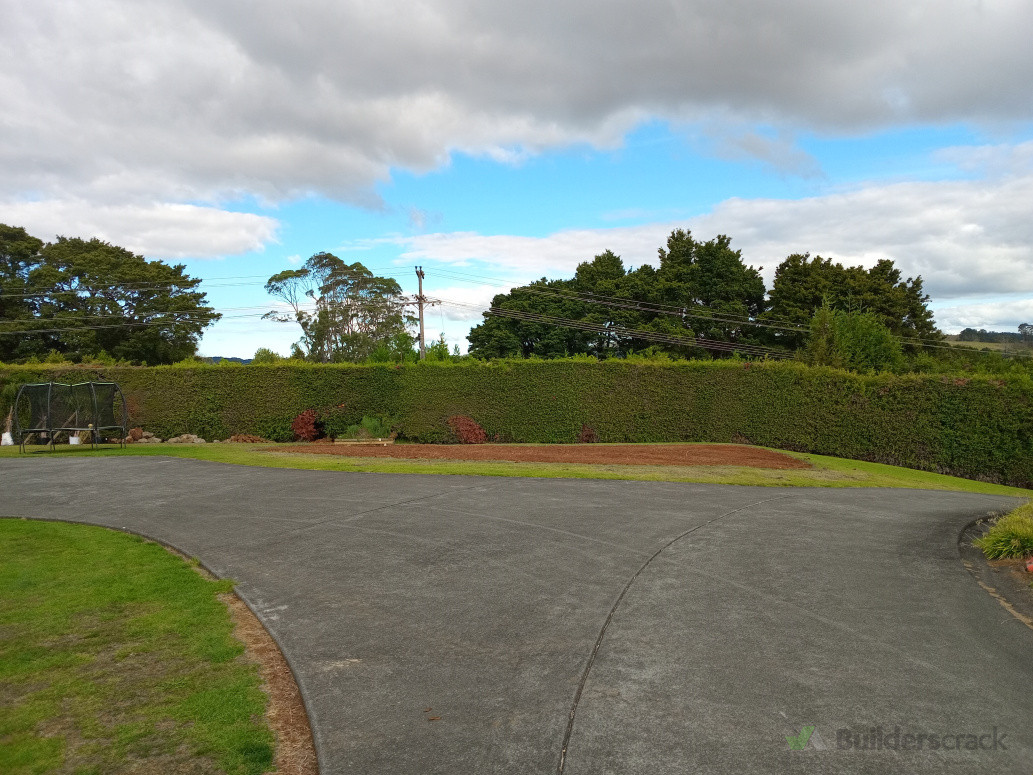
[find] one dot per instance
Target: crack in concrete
(616, 605)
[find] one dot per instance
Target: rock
(186, 438)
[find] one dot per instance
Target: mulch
(596, 454)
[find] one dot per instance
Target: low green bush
(1010, 536)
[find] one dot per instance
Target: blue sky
(494, 146)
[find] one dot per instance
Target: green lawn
(826, 471)
(116, 656)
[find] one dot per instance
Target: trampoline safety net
(47, 409)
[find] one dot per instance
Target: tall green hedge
(980, 428)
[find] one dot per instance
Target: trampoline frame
(89, 424)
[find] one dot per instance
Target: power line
(125, 324)
(700, 311)
(652, 336)
(717, 317)
(214, 282)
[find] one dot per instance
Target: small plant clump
(306, 426)
(247, 438)
(467, 430)
(370, 428)
(1011, 536)
(587, 435)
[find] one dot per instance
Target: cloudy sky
(495, 143)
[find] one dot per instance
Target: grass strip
(825, 471)
(115, 655)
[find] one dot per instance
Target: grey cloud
(203, 101)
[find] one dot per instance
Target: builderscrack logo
(879, 738)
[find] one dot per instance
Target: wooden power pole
(420, 300)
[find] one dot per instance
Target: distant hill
(218, 358)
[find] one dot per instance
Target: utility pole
(420, 300)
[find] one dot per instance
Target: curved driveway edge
(479, 602)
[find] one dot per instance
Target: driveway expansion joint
(602, 632)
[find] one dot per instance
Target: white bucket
(7, 440)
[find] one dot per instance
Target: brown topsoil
(598, 454)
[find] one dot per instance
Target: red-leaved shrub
(467, 430)
(306, 426)
(587, 435)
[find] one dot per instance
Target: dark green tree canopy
(802, 284)
(88, 298)
(701, 289)
(346, 313)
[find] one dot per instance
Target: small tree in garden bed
(306, 426)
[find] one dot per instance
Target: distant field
(1011, 347)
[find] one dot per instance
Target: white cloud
(996, 316)
(202, 102)
(1002, 160)
(965, 238)
(464, 303)
(169, 231)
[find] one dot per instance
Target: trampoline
(47, 409)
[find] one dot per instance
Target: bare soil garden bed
(595, 454)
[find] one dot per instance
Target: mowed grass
(116, 656)
(825, 471)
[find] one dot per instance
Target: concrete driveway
(590, 626)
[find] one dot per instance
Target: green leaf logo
(799, 742)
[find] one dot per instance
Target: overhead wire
(726, 318)
(213, 282)
(602, 328)
(700, 312)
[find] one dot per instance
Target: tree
(701, 289)
(19, 252)
(88, 298)
(802, 284)
(265, 355)
(852, 340)
(351, 314)
(718, 294)
(595, 296)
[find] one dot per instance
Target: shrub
(370, 428)
(265, 355)
(1010, 536)
(467, 430)
(306, 426)
(337, 421)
